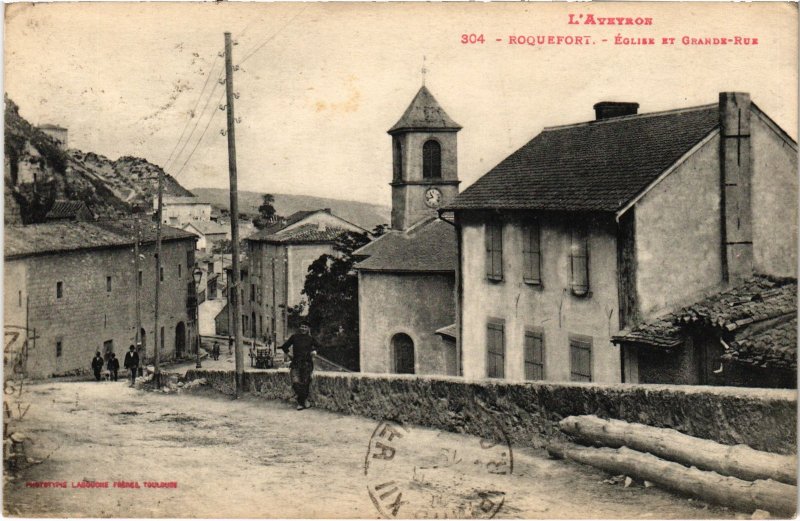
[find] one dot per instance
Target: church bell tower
(424, 161)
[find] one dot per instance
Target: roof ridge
(632, 116)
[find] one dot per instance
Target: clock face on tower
(433, 197)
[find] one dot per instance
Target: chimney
(614, 109)
(736, 174)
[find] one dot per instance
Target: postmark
(415, 472)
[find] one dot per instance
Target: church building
(406, 278)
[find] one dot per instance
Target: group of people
(304, 348)
(112, 364)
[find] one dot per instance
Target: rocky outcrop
(528, 413)
(37, 172)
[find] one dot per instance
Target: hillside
(37, 172)
(363, 214)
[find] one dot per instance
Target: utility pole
(233, 287)
(156, 333)
(138, 336)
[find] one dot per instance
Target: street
(254, 458)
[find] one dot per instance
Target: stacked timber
(731, 475)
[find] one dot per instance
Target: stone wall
(528, 413)
(87, 315)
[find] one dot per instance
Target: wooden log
(747, 496)
(730, 460)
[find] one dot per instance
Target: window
(140, 277)
(431, 160)
(494, 250)
(252, 292)
(580, 358)
(210, 267)
(579, 261)
(244, 323)
(398, 158)
(59, 348)
(162, 339)
(495, 344)
(59, 289)
(108, 284)
(180, 271)
(161, 274)
(534, 355)
(19, 299)
(531, 254)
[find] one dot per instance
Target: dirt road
(252, 458)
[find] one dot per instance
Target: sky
(320, 84)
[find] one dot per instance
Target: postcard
(400, 260)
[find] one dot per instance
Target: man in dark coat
(304, 347)
(131, 363)
(97, 365)
(113, 366)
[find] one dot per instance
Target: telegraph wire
(208, 124)
(269, 39)
(194, 111)
(197, 121)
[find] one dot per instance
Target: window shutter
(579, 261)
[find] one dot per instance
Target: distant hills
(363, 214)
(38, 172)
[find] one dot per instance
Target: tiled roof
(67, 210)
(771, 347)
(209, 227)
(426, 247)
(424, 112)
(728, 312)
(307, 233)
(182, 199)
(283, 223)
(594, 166)
(38, 239)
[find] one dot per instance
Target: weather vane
(423, 70)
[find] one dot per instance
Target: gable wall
(678, 244)
(774, 200)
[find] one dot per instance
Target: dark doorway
(403, 353)
(108, 348)
(180, 339)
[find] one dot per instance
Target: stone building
(180, 210)
(406, 281)
(593, 228)
(73, 286)
(208, 233)
(278, 260)
(59, 134)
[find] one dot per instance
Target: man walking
(113, 366)
(97, 365)
(132, 364)
(304, 347)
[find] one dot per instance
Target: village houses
(590, 230)
(274, 275)
(77, 288)
(406, 278)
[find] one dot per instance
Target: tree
(266, 212)
(331, 288)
